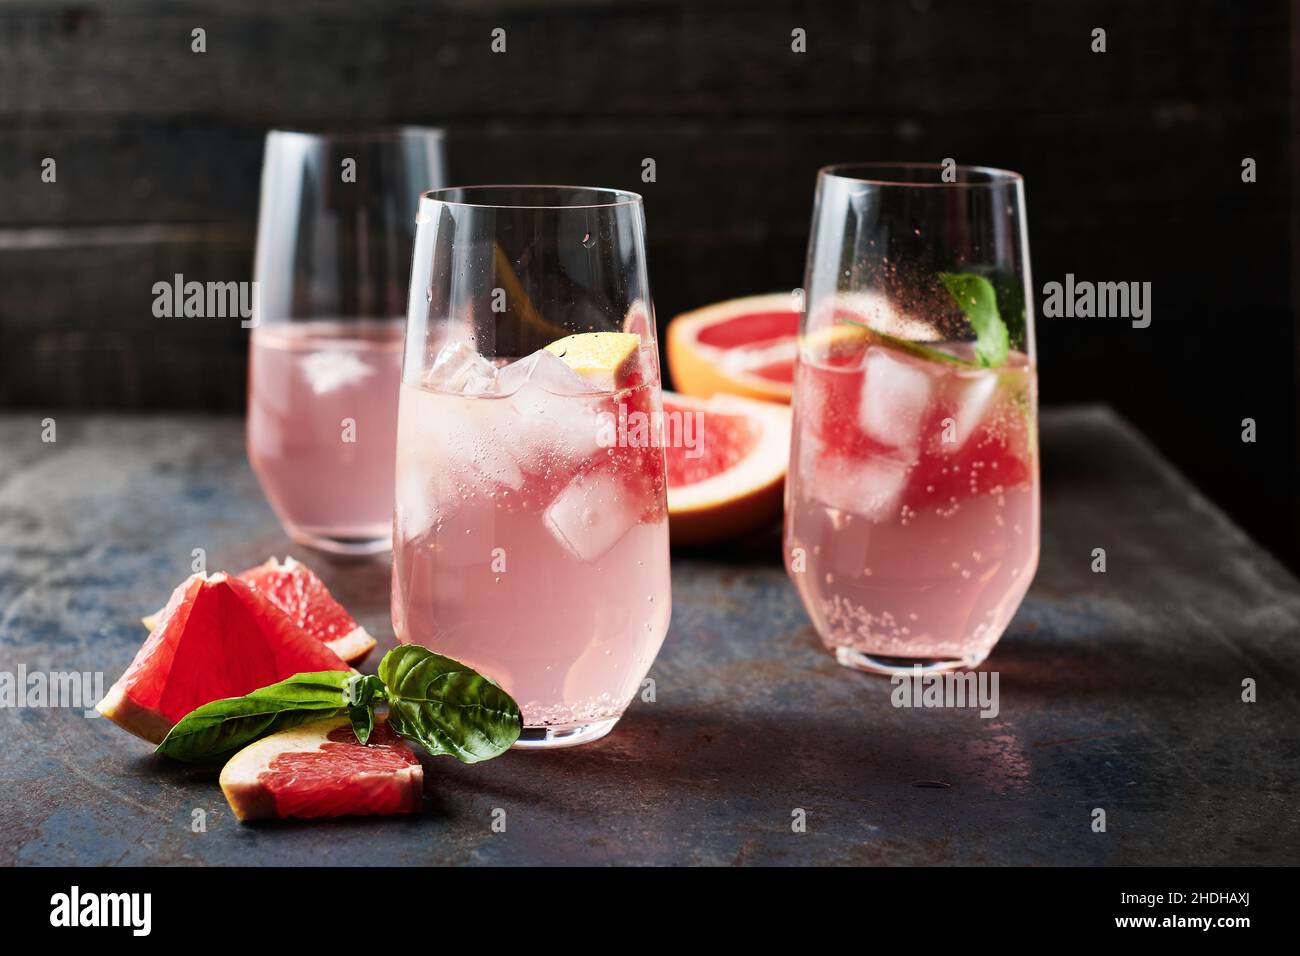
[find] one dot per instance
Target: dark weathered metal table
(1120, 691)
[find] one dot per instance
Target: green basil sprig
(976, 297)
(443, 705)
(361, 693)
(447, 707)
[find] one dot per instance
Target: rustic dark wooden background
(1132, 160)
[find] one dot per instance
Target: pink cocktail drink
(912, 513)
(322, 428)
(529, 544)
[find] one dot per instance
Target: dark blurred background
(1132, 161)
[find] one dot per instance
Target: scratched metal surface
(1118, 691)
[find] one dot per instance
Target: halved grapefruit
(216, 638)
(319, 769)
(730, 481)
(741, 347)
(296, 590)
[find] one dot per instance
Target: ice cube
(871, 487)
(555, 421)
(477, 449)
(591, 515)
(895, 395)
(447, 450)
(460, 369)
(971, 396)
(545, 370)
(334, 368)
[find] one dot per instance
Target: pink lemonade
(526, 544)
(912, 511)
(322, 428)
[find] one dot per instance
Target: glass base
(891, 666)
(553, 738)
(349, 547)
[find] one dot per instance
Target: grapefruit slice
(319, 769)
(743, 347)
(731, 481)
(607, 360)
(296, 590)
(216, 638)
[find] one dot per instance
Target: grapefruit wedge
(606, 360)
(731, 481)
(319, 769)
(296, 590)
(216, 638)
(743, 347)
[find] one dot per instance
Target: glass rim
(991, 176)
(615, 198)
(361, 134)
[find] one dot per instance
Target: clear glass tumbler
(334, 240)
(912, 508)
(531, 530)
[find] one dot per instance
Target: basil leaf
(361, 691)
(447, 707)
(363, 722)
(975, 295)
(218, 729)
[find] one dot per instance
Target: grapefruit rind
(132, 717)
(607, 360)
(703, 371)
(832, 341)
(251, 799)
(746, 496)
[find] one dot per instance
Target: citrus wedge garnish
(607, 360)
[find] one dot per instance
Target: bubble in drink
(524, 547)
(914, 496)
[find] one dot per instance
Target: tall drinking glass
(334, 240)
(530, 533)
(912, 506)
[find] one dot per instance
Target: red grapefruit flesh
(296, 590)
(319, 769)
(992, 443)
(730, 482)
(216, 638)
(743, 347)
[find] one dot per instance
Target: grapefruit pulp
(320, 769)
(741, 347)
(731, 482)
(216, 638)
(296, 590)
